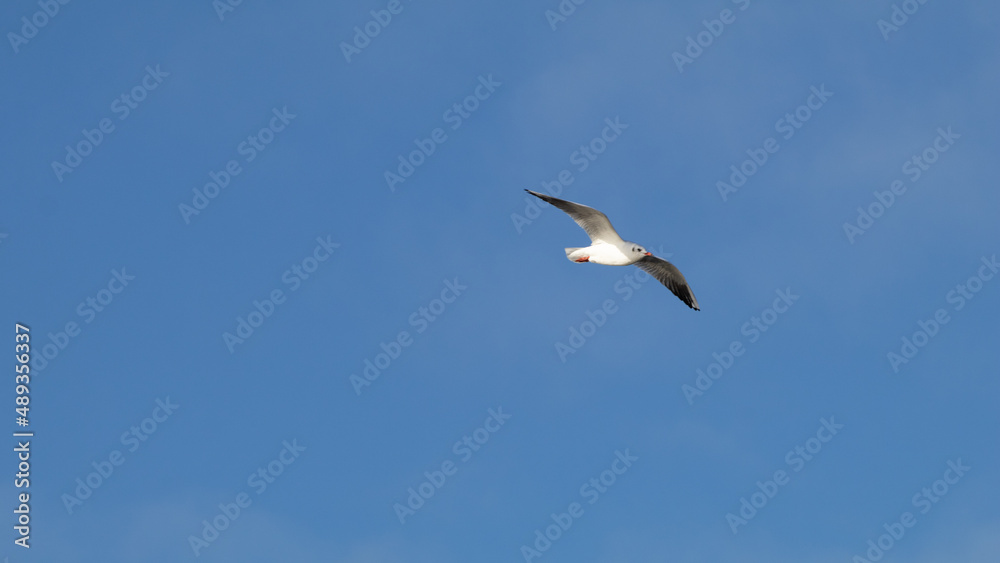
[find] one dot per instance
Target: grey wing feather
(668, 274)
(596, 224)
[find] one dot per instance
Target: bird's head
(638, 251)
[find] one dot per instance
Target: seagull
(607, 248)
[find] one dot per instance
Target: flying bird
(607, 248)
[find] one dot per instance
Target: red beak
(649, 254)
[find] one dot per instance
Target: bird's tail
(572, 253)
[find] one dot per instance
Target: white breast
(609, 255)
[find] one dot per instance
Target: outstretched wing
(668, 274)
(596, 224)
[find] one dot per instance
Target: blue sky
(308, 242)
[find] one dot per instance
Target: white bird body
(608, 249)
(605, 253)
